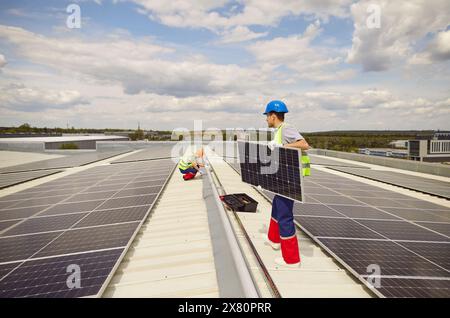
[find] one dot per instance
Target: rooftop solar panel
(277, 171)
(63, 162)
(412, 214)
(335, 227)
(317, 160)
(402, 230)
(79, 222)
(363, 212)
(52, 280)
(44, 224)
(421, 269)
(443, 228)
(392, 258)
(90, 239)
(430, 186)
(156, 151)
(11, 179)
(415, 288)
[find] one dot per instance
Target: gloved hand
(272, 144)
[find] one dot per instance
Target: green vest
(184, 165)
(306, 162)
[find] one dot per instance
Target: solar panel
(156, 151)
(11, 179)
(83, 225)
(415, 288)
(74, 160)
(402, 230)
(392, 258)
(443, 228)
(276, 171)
(48, 277)
(371, 232)
(430, 186)
(318, 160)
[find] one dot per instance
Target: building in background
(430, 148)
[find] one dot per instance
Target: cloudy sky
(167, 63)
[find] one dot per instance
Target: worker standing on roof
(190, 163)
(282, 227)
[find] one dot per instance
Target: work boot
(280, 261)
(275, 246)
(289, 250)
(274, 232)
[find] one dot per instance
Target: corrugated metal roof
(172, 255)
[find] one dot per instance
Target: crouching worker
(190, 163)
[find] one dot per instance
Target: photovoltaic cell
(10, 179)
(75, 207)
(392, 258)
(49, 277)
(21, 213)
(335, 227)
(430, 186)
(44, 224)
(414, 288)
(128, 201)
(277, 171)
(5, 224)
(410, 261)
(82, 221)
(438, 253)
(63, 162)
(411, 214)
(89, 239)
(155, 152)
(16, 248)
(364, 212)
(443, 228)
(114, 216)
(314, 209)
(401, 230)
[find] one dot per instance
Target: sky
(337, 64)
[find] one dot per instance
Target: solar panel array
(316, 160)
(429, 186)
(156, 151)
(277, 171)
(79, 224)
(363, 225)
(10, 179)
(73, 160)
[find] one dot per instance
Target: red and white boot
(273, 237)
(290, 252)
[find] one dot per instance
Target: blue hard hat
(276, 106)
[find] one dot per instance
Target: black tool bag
(240, 202)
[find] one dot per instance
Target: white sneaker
(275, 246)
(280, 261)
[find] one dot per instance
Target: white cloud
(2, 60)
(240, 34)
(403, 25)
(317, 63)
(18, 97)
(139, 66)
(213, 14)
(438, 50)
(222, 17)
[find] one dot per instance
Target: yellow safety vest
(306, 162)
(184, 165)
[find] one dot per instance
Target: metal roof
(175, 252)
